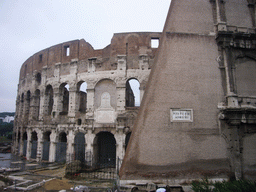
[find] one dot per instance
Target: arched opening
(38, 78)
(27, 106)
(105, 149)
(80, 147)
(64, 94)
(37, 104)
(61, 148)
(25, 139)
(127, 138)
(48, 100)
(82, 96)
(132, 94)
(79, 121)
(46, 145)
(34, 145)
(21, 104)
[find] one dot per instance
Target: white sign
(181, 115)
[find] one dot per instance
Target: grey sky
(28, 26)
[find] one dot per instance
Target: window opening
(154, 43)
(40, 58)
(67, 50)
(38, 78)
(79, 122)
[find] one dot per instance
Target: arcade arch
(61, 147)
(46, 145)
(82, 90)
(132, 93)
(79, 147)
(34, 145)
(48, 100)
(105, 149)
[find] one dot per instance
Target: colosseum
(74, 100)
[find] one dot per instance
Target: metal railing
(93, 167)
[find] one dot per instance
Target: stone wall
(194, 121)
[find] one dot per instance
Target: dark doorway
(106, 149)
(80, 147)
(34, 145)
(46, 146)
(25, 138)
(61, 148)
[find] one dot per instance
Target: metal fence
(93, 167)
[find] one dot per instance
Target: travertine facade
(198, 115)
(56, 120)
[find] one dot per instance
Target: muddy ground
(54, 180)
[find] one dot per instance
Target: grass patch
(224, 186)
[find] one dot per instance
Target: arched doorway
(61, 148)
(82, 90)
(34, 145)
(132, 93)
(37, 104)
(105, 149)
(27, 106)
(46, 145)
(48, 100)
(25, 138)
(64, 94)
(80, 147)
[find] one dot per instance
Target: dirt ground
(59, 182)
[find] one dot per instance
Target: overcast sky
(28, 26)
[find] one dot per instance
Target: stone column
(89, 137)
(32, 110)
(41, 107)
(72, 102)
(120, 89)
(90, 101)
(16, 140)
(235, 150)
(52, 151)
(21, 143)
(70, 146)
(57, 102)
(39, 146)
(120, 138)
(28, 155)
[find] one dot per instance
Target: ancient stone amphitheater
(74, 100)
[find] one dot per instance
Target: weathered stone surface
(71, 88)
(201, 66)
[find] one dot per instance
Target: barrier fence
(88, 166)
